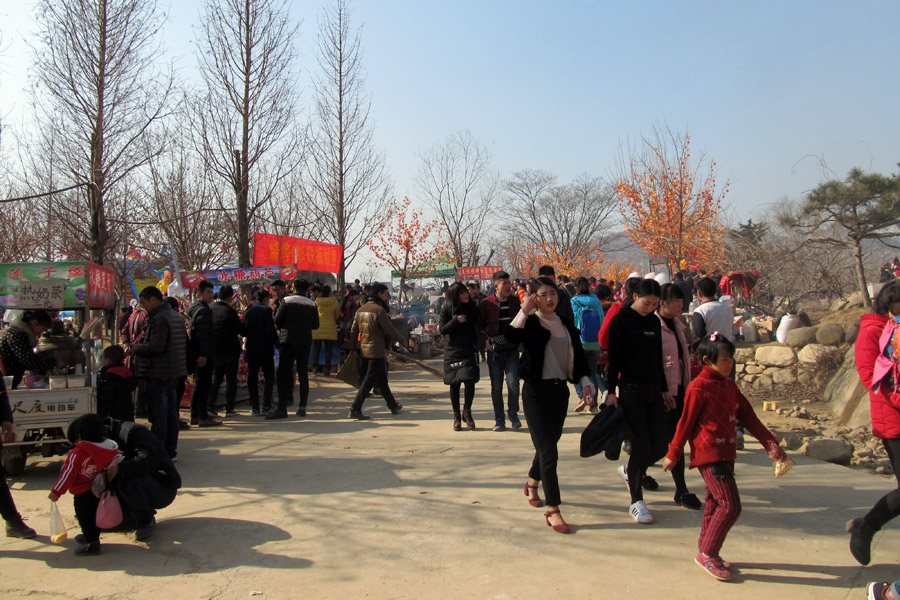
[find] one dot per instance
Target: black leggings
(672, 418)
(469, 398)
(546, 404)
(646, 415)
(888, 506)
(86, 513)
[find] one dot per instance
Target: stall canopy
(308, 255)
(57, 286)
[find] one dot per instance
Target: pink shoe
(535, 502)
(714, 566)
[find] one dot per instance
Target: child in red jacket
(713, 405)
(93, 452)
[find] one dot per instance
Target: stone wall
(819, 356)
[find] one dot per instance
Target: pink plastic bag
(109, 511)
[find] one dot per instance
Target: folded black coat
(605, 433)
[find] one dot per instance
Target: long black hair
(456, 306)
(889, 294)
(641, 287)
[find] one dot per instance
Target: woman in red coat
(885, 405)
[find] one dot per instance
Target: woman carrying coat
(458, 325)
(552, 357)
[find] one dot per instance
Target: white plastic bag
(58, 532)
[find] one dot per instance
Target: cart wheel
(13, 461)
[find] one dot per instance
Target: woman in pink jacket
(676, 364)
(877, 361)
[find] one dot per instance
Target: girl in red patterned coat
(713, 405)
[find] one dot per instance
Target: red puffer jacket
(885, 403)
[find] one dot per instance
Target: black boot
(860, 540)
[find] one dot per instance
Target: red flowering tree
(405, 242)
(671, 207)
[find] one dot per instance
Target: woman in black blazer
(552, 357)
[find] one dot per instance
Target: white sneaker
(623, 474)
(639, 513)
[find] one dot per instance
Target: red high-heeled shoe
(564, 528)
(535, 502)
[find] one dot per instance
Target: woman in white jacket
(676, 364)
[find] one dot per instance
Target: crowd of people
(624, 347)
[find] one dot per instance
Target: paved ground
(403, 507)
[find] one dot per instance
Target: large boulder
(811, 355)
(851, 330)
(833, 451)
(830, 335)
(797, 338)
(775, 356)
(847, 399)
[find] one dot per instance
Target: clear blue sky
(761, 86)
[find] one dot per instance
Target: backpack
(590, 328)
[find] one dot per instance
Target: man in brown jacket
(372, 327)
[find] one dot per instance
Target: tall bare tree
(98, 84)
(573, 219)
(456, 180)
(245, 121)
(347, 178)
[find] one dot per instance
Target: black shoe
(212, 412)
(183, 425)
(301, 412)
(860, 540)
(688, 500)
(231, 413)
(20, 530)
(648, 483)
(358, 415)
(276, 414)
(396, 409)
(144, 532)
(90, 550)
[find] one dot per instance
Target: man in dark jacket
(227, 329)
(295, 318)
(146, 480)
(259, 325)
(496, 312)
(162, 362)
(201, 343)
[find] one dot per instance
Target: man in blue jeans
(162, 362)
(496, 312)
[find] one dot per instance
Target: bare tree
(456, 181)
(347, 178)
(245, 121)
(574, 219)
(99, 86)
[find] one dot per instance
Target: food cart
(42, 416)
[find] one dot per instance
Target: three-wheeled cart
(42, 416)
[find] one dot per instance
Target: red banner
(476, 273)
(309, 255)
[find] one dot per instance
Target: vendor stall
(45, 404)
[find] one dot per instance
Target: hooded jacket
(84, 462)
(329, 310)
(114, 388)
(144, 454)
(884, 401)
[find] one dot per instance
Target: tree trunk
(861, 273)
(95, 190)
